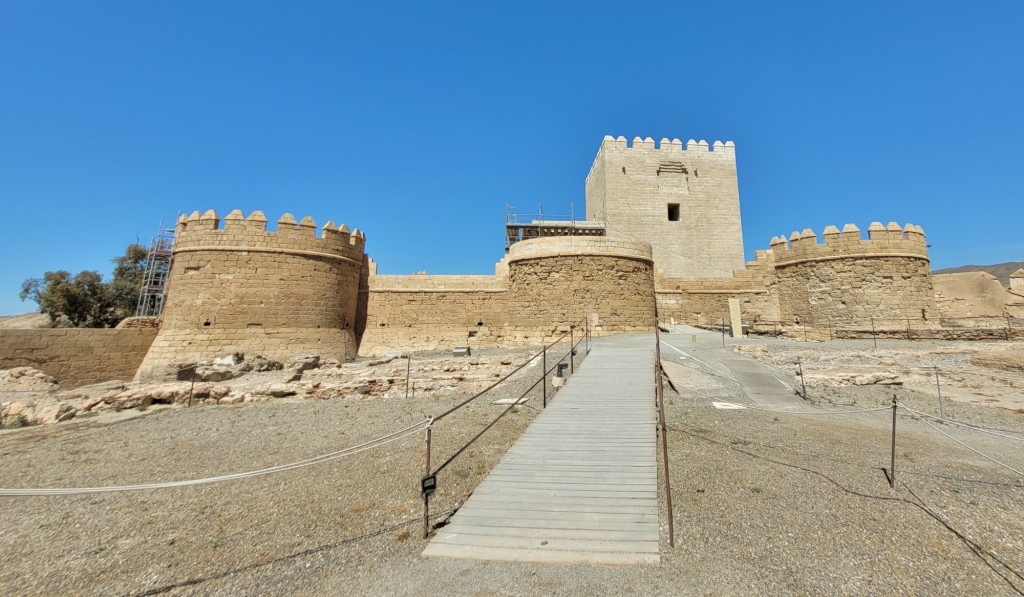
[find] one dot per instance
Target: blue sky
(418, 122)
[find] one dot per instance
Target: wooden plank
(581, 484)
(551, 556)
(602, 534)
(559, 544)
(556, 524)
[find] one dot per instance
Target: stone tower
(684, 202)
(242, 288)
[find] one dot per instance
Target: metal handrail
(430, 474)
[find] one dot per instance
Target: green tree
(85, 300)
(128, 272)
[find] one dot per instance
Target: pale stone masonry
(848, 279)
(672, 248)
(541, 288)
(77, 356)
(685, 202)
(241, 288)
(1017, 281)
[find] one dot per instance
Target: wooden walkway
(581, 484)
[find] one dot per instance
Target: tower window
(673, 212)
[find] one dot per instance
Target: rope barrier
(970, 426)
(495, 384)
(515, 403)
(687, 355)
(983, 455)
(376, 443)
(808, 412)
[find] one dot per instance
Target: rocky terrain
(990, 373)
(768, 500)
(29, 397)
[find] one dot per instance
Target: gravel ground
(765, 503)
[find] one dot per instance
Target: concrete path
(692, 358)
(581, 484)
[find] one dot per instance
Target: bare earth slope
(24, 321)
(768, 500)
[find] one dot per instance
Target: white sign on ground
(728, 406)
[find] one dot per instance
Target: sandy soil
(766, 503)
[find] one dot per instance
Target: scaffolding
(526, 226)
(158, 268)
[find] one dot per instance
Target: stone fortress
(663, 238)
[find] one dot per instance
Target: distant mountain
(999, 270)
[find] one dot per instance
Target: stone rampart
(422, 312)
(670, 147)
(848, 279)
(242, 288)
(77, 356)
(543, 286)
(705, 301)
(555, 282)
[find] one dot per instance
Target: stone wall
(542, 287)
(243, 289)
(975, 294)
(684, 202)
(77, 356)
(139, 322)
(1017, 281)
(705, 301)
(847, 279)
(424, 312)
(556, 282)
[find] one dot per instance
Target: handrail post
(408, 370)
(572, 342)
(892, 461)
(660, 398)
(803, 386)
(426, 496)
(544, 374)
(193, 386)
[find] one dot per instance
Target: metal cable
(514, 404)
(795, 412)
(687, 355)
(970, 426)
(508, 375)
(376, 443)
(985, 456)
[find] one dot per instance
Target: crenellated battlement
(204, 232)
(890, 240)
(669, 147)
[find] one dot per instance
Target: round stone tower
(847, 279)
(243, 289)
(557, 281)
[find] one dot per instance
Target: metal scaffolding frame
(526, 226)
(158, 268)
